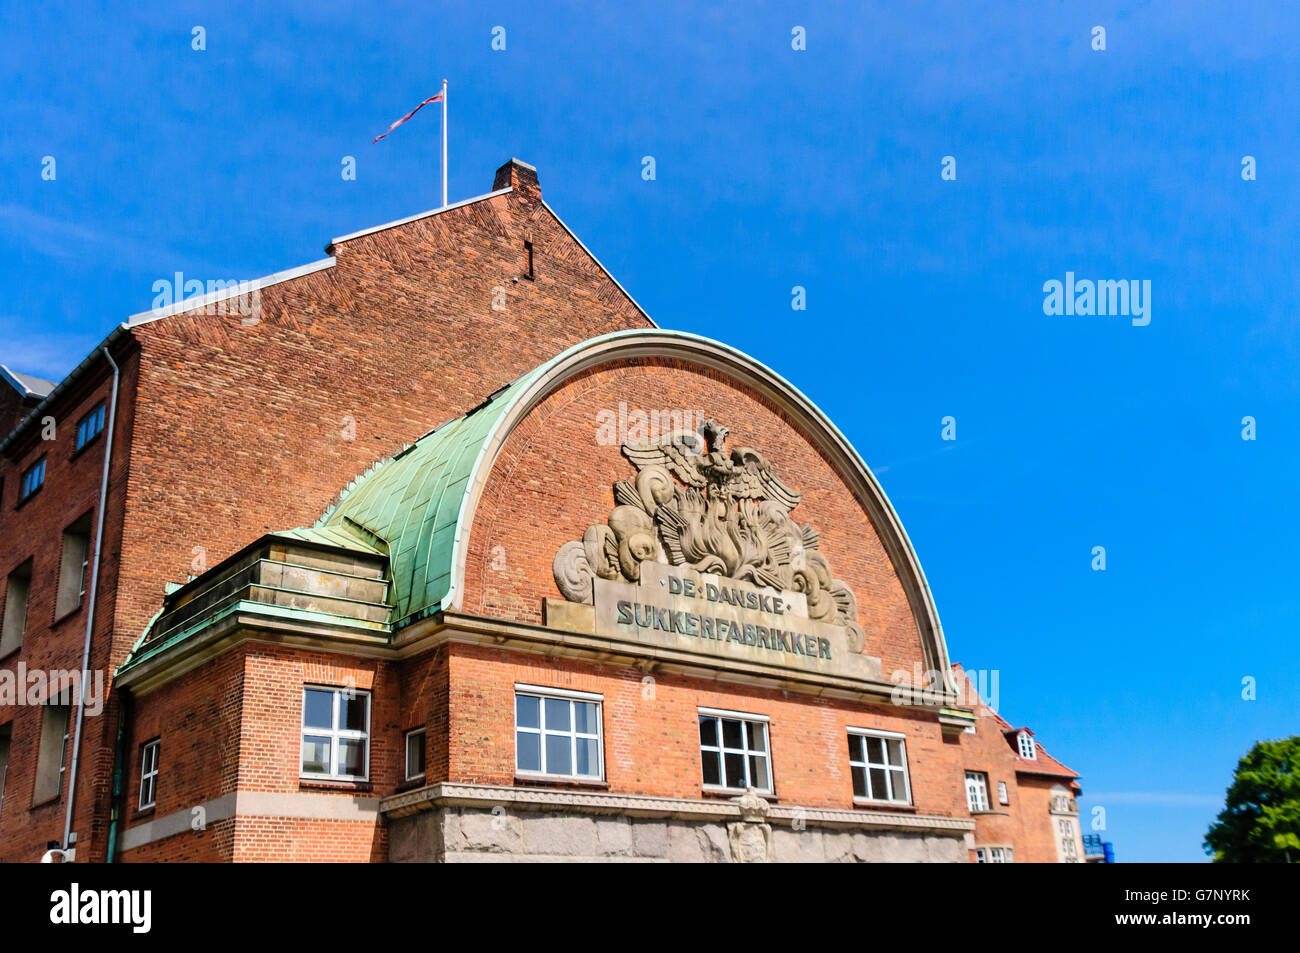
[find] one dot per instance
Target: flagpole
(444, 143)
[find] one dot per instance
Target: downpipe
(90, 608)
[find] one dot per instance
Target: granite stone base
(456, 834)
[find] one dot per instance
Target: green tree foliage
(1260, 823)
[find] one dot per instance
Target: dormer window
(1026, 742)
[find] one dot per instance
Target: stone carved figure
(750, 838)
(695, 503)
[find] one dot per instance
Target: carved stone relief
(695, 503)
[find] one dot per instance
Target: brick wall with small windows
(196, 722)
(228, 427)
(54, 579)
(251, 722)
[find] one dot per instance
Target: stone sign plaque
(676, 607)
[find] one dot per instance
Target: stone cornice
(448, 794)
(251, 625)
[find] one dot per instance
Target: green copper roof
(413, 503)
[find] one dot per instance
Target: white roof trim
(419, 215)
(243, 287)
(20, 383)
(599, 265)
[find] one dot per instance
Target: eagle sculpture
(695, 503)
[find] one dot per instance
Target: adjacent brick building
(439, 549)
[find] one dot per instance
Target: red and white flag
(432, 99)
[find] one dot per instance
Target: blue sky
(818, 168)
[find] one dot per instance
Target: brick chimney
(518, 175)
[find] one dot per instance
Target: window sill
(552, 781)
(59, 620)
(333, 784)
(23, 501)
(143, 813)
(990, 811)
(737, 792)
(10, 653)
(48, 802)
(869, 804)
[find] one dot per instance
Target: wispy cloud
(923, 456)
(29, 350)
(64, 240)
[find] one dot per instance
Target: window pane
(756, 732)
(529, 747)
(315, 754)
(352, 711)
(735, 768)
(318, 708)
(352, 757)
(898, 791)
(708, 730)
(528, 711)
(711, 773)
(559, 759)
(557, 714)
(875, 750)
(730, 733)
(588, 757)
(878, 789)
(415, 754)
(855, 748)
(859, 782)
(758, 772)
(895, 748)
(584, 717)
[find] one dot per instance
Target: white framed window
(993, 855)
(734, 751)
(1003, 797)
(90, 426)
(33, 479)
(1069, 852)
(878, 763)
(1027, 748)
(415, 754)
(148, 774)
(558, 733)
(977, 791)
(335, 733)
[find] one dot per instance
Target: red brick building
(439, 549)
